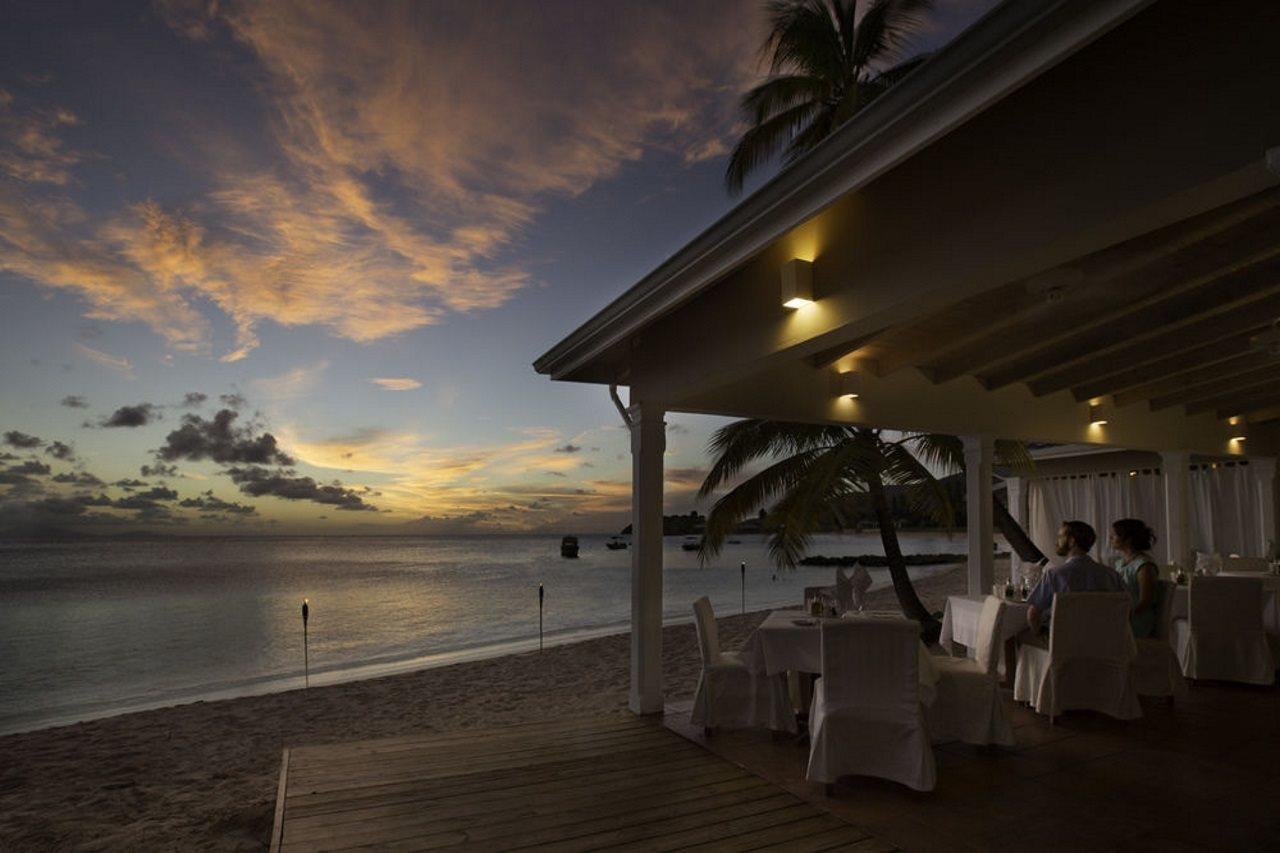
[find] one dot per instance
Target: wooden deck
(615, 783)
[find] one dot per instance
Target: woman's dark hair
(1134, 533)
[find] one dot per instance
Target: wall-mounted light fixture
(797, 283)
(1098, 415)
(848, 385)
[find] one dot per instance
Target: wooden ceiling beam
(1132, 258)
(1237, 403)
(1242, 301)
(1200, 373)
(1178, 276)
(1204, 356)
(1209, 331)
(1241, 383)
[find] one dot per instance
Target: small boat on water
(569, 547)
(616, 544)
(691, 543)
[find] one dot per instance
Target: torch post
(743, 570)
(306, 657)
(542, 594)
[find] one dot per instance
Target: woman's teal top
(1143, 622)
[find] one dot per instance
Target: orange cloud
(411, 147)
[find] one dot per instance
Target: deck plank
(619, 783)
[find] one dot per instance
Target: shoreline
(361, 670)
(204, 774)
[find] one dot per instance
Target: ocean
(94, 628)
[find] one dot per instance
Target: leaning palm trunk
(911, 605)
(1017, 538)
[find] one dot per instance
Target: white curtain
(1098, 499)
(1224, 512)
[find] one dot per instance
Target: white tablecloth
(779, 645)
(1270, 599)
(960, 621)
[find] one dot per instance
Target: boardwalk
(616, 783)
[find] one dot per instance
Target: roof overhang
(1013, 44)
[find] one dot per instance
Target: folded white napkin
(844, 590)
(861, 582)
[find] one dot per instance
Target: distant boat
(691, 543)
(616, 544)
(569, 547)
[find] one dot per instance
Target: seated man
(1080, 573)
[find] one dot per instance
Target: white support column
(1263, 472)
(1175, 466)
(978, 453)
(648, 443)
(1016, 497)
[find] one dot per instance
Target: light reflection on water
(93, 628)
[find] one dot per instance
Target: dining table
(960, 620)
(788, 641)
(1270, 599)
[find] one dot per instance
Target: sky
(283, 267)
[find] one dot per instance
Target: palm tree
(816, 469)
(824, 66)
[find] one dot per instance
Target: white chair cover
(1223, 637)
(1156, 671)
(968, 706)
(844, 591)
(866, 717)
(729, 694)
(1088, 661)
(1245, 564)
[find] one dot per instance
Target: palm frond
(778, 94)
(886, 28)
(803, 37)
(742, 442)
(924, 491)
(763, 142)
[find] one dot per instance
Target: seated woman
(1132, 539)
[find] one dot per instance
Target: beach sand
(203, 775)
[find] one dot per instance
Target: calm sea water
(89, 629)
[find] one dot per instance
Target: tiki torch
(743, 570)
(542, 593)
(306, 658)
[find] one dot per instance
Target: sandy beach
(203, 775)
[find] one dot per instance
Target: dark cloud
(233, 401)
(5, 456)
(159, 470)
(132, 416)
(129, 485)
(12, 478)
(220, 440)
(31, 466)
(57, 506)
(74, 401)
(13, 438)
(148, 501)
(193, 399)
(569, 448)
(77, 478)
(58, 450)
(257, 481)
(206, 502)
(554, 474)
(691, 477)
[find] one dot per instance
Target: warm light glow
(797, 283)
(1099, 422)
(1097, 417)
(848, 385)
(1238, 437)
(1133, 473)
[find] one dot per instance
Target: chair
(866, 717)
(968, 706)
(1156, 671)
(1087, 664)
(729, 694)
(1223, 637)
(1245, 564)
(844, 591)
